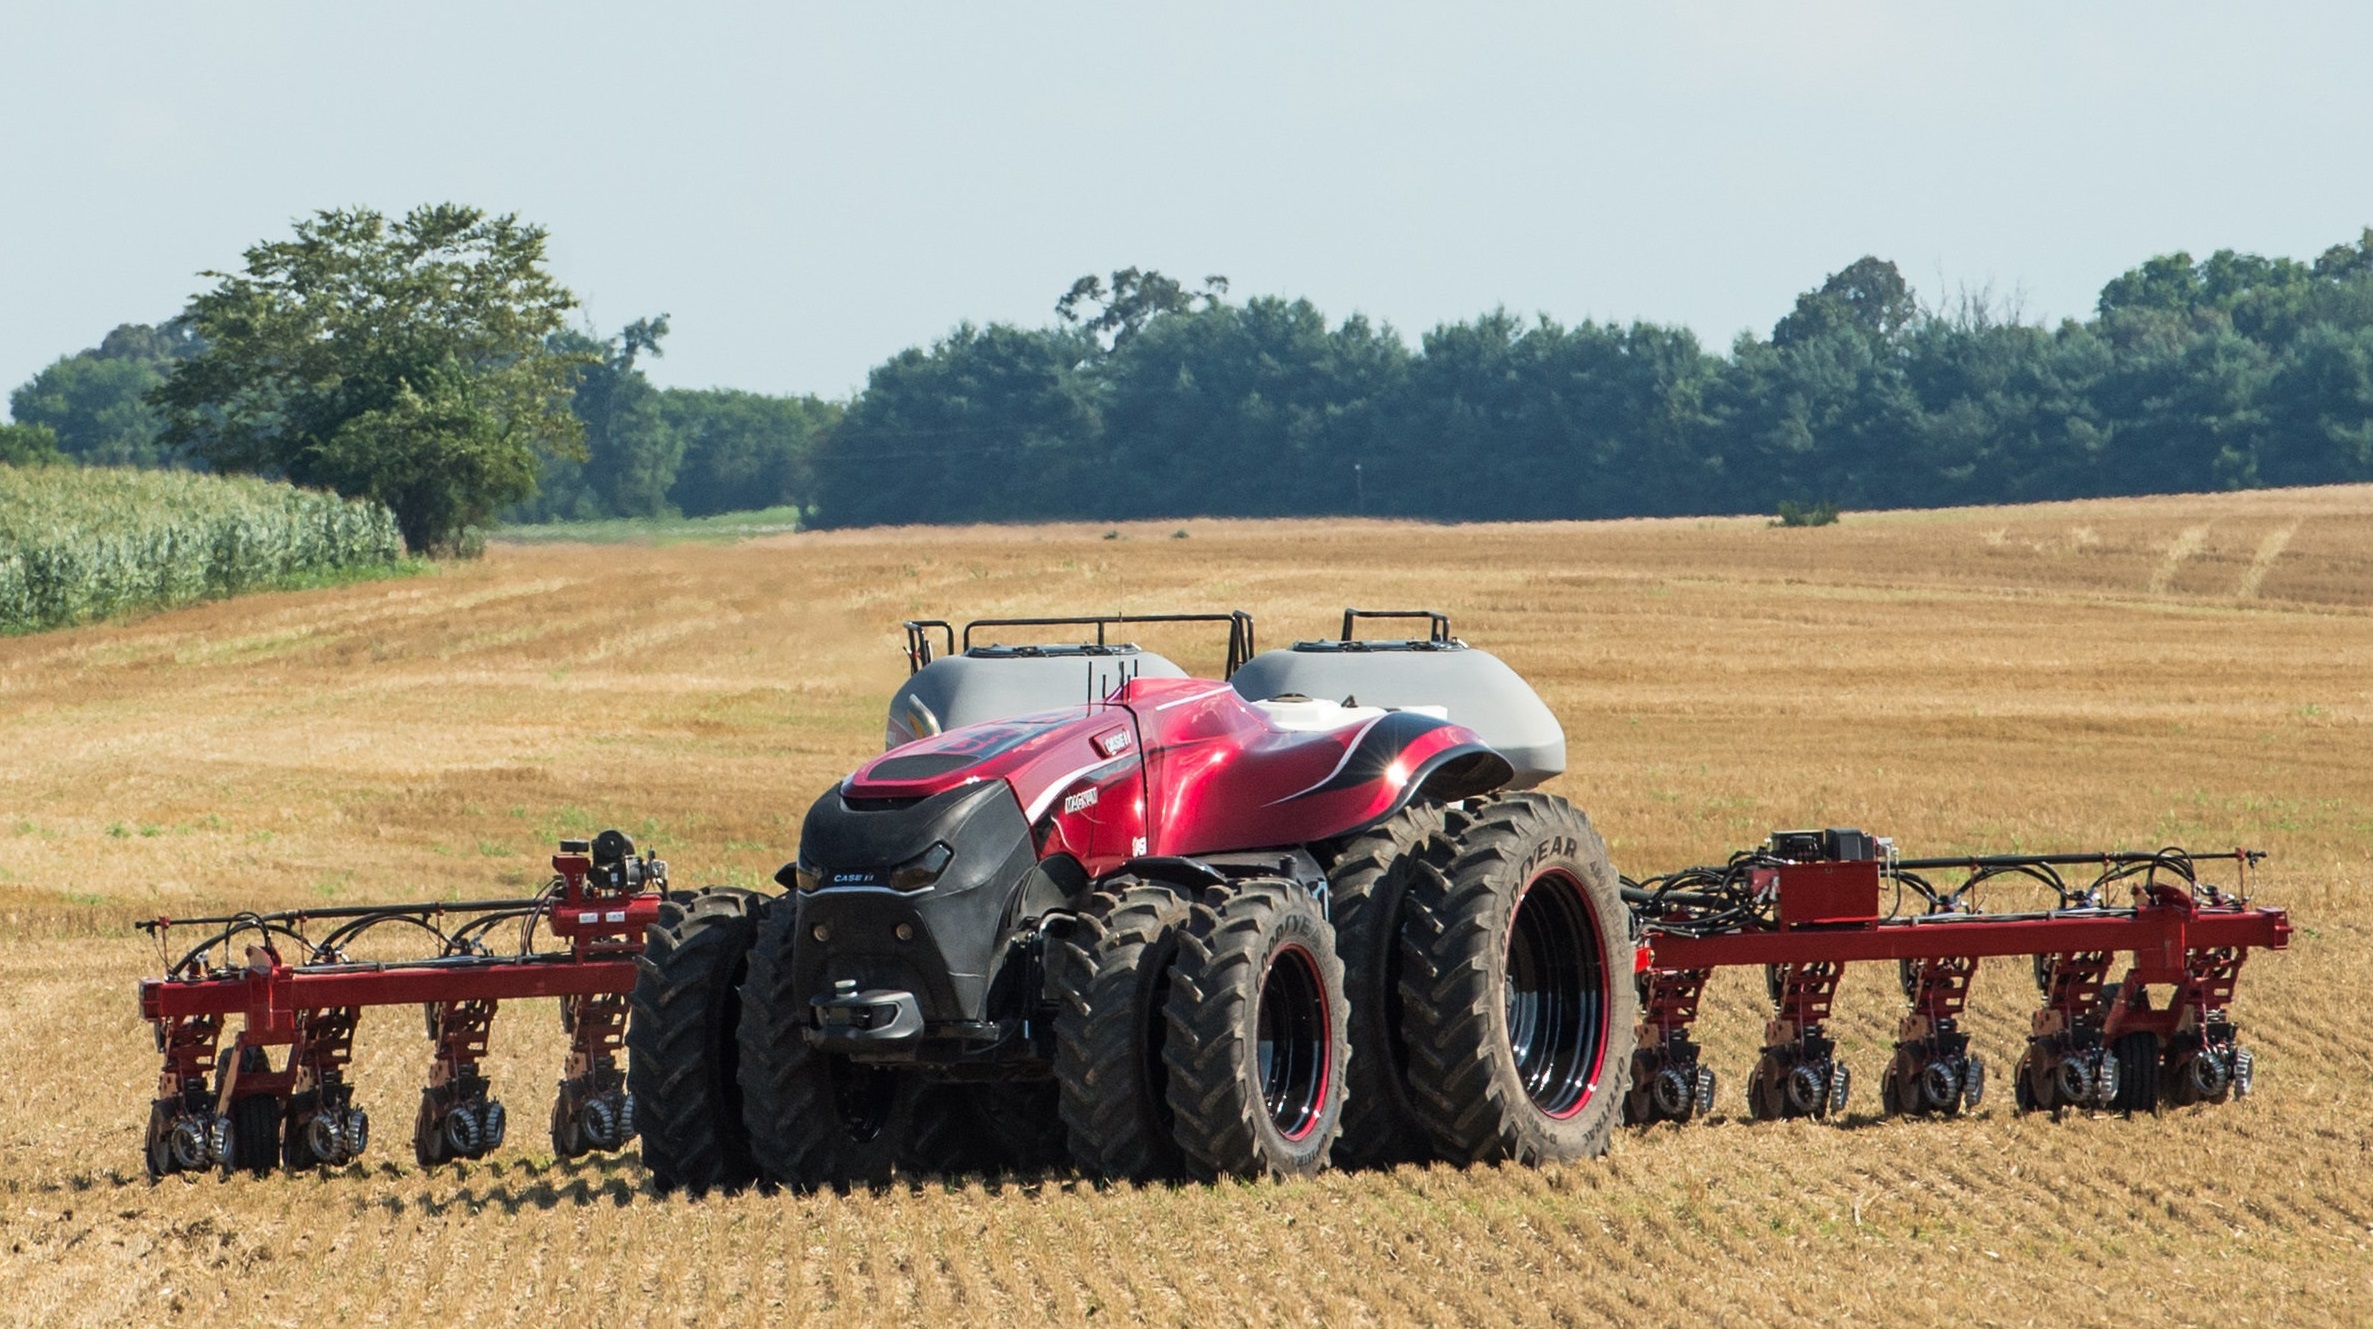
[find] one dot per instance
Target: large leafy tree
(1136, 297)
(405, 360)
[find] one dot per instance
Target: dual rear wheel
(1517, 998)
(1486, 1013)
(1208, 1037)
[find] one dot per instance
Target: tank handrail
(918, 641)
(1240, 632)
(1438, 623)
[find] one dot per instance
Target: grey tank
(995, 682)
(1467, 686)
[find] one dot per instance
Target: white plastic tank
(995, 682)
(1439, 674)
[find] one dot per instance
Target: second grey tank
(1464, 685)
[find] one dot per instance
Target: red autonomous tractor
(1085, 906)
(1086, 911)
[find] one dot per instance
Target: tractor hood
(1040, 756)
(1219, 773)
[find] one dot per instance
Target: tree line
(426, 361)
(2231, 372)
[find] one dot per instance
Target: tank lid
(1050, 651)
(1361, 647)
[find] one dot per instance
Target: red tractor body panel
(1180, 767)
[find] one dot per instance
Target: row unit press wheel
(255, 1120)
(1517, 997)
(2138, 1072)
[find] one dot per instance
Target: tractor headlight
(800, 875)
(923, 869)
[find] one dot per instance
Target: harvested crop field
(2088, 675)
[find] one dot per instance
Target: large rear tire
(1367, 888)
(1113, 972)
(818, 1119)
(1258, 1034)
(1516, 986)
(681, 1038)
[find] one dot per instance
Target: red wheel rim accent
(1558, 996)
(1294, 1052)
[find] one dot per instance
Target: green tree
(1148, 399)
(1136, 297)
(404, 360)
(744, 450)
(989, 424)
(1259, 409)
(29, 445)
(96, 400)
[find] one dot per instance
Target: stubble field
(2116, 673)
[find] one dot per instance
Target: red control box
(1828, 893)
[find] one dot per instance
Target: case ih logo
(1085, 798)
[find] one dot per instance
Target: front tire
(1113, 971)
(819, 1120)
(681, 1037)
(1258, 1035)
(1516, 986)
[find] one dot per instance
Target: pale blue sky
(808, 189)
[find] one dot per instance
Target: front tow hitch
(849, 1018)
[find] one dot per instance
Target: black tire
(1517, 996)
(1259, 1034)
(1367, 886)
(1113, 974)
(2138, 1072)
(255, 1134)
(940, 1132)
(817, 1119)
(681, 1027)
(159, 1151)
(296, 1152)
(1021, 1126)
(255, 1121)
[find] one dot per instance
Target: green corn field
(78, 544)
